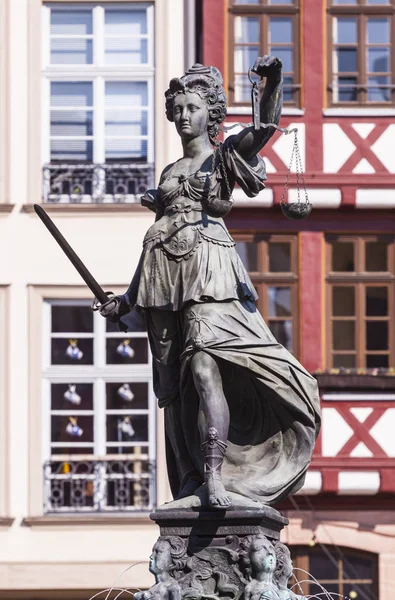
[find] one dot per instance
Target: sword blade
(75, 260)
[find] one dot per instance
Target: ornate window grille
(83, 484)
(98, 85)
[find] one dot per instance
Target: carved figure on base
(163, 560)
(262, 558)
(283, 573)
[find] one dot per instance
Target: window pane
(347, 90)
(242, 88)
(285, 55)
(343, 256)
(376, 256)
(125, 51)
(280, 257)
(345, 1)
(247, 1)
(126, 94)
(69, 22)
(72, 123)
(378, 31)
(343, 335)
(126, 149)
(316, 590)
(282, 331)
(69, 93)
(71, 319)
(246, 30)
(377, 335)
(345, 30)
(73, 150)
(280, 30)
(72, 396)
(279, 301)
(376, 301)
(127, 351)
(288, 90)
(125, 22)
(245, 57)
(71, 51)
(378, 60)
(71, 352)
(321, 567)
(126, 123)
(134, 430)
(130, 395)
(343, 301)
(379, 94)
(248, 252)
(377, 2)
(357, 567)
(61, 431)
(377, 361)
(346, 60)
(363, 590)
(347, 361)
(280, 1)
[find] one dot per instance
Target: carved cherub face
(191, 116)
(160, 559)
(262, 555)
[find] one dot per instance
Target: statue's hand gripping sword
(101, 297)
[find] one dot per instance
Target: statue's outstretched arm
(250, 141)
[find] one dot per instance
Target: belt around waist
(183, 208)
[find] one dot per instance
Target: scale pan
(296, 210)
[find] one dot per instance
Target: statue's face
(263, 558)
(160, 559)
(190, 115)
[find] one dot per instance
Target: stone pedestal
(217, 554)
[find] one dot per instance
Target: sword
(75, 260)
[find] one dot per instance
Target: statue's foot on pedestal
(218, 497)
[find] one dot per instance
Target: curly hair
(207, 83)
(284, 562)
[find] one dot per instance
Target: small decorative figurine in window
(71, 394)
(126, 427)
(125, 350)
(73, 351)
(125, 392)
(73, 429)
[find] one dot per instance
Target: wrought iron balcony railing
(86, 485)
(96, 183)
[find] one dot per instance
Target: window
(263, 27)
(99, 424)
(341, 571)
(98, 70)
(360, 279)
(361, 36)
(271, 262)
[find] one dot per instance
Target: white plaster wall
(63, 556)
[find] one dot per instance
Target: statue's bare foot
(189, 487)
(217, 494)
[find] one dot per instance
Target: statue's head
(262, 555)
(165, 553)
(204, 86)
(284, 565)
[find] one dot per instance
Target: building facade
(326, 284)
(82, 130)
(81, 443)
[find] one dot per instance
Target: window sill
(88, 208)
(92, 519)
(246, 110)
(6, 521)
(6, 208)
(359, 112)
(341, 380)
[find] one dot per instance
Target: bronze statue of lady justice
(241, 414)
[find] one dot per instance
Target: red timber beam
(214, 34)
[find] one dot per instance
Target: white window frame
(97, 73)
(98, 374)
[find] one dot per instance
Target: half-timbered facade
(328, 291)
